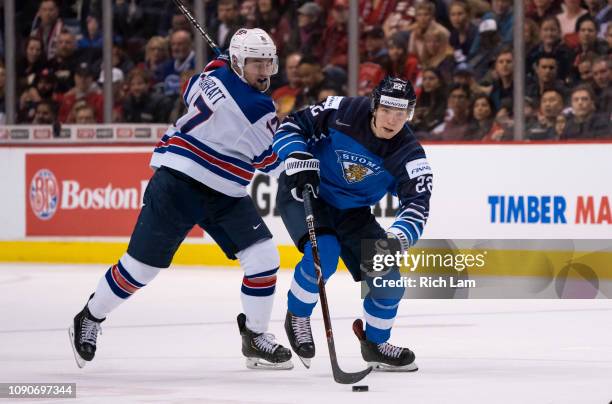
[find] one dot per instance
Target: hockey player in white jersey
(203, 164)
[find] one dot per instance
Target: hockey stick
(339, 375)
(179, 4)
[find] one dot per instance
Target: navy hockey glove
(302, 172)
(220, 61)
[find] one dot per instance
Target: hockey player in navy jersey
(203, 164)
(351, 151)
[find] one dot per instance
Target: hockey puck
(360, 388)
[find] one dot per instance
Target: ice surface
(176, 341)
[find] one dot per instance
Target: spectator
(542, 9)
(597, 11)
(463, 74)
(551, 106)
(489, 47)
(285, 96)
(463, 31)
(503, 84)
(228, 22)
(483, 123)
(66, 59)
(584, 122)
(370, 74)
(156, 54)
(501, 13)
(375, 46)
(269, 18)
(179, 108)
(545, 77)
(456, 125)
(602, 85)
(140, 106)
(503, 125)
(335, 36)
(438, 54)
(84, 89)
(118, 95)
(183, 58)
(532, 35)
(398, 21)
(31, 64)
(430, 111)
(589, 45)
(83, 113)
(42, 89)
(401, 64)
(424, 23)
(375, 12)
(309, 30)
(327, 92)
(585, 71)
(312, 78)
(248, 14)
(121, 59)
(572, 10)
(48, 26)
(92, 39)
(550, 35)
(560, 123)
(45, 113)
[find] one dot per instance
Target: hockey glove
(302, 172)
(218, 62)
(374, 253)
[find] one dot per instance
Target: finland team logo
(44, 194)
(356, 167)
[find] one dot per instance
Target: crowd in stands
(457, 53)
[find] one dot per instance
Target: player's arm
(414, 186)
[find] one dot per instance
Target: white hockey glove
(302, 171)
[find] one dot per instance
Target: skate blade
(383, 367)
(305, 361)
(79, 361)
(258, 363)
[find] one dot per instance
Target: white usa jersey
(225, 135)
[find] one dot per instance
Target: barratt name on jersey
(356, 167)
(211, 90)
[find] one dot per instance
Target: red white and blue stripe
(266, 161)
(121, 282)
(261, 284)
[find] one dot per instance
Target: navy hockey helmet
(396, 93)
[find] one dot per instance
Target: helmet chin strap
(245, 81)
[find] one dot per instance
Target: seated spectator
(545, 77)
(121, 59)
(401, 64)
(118, 82)
(550, 35)
(66, 60)
(531, 36)
(183, 58)
(598, 12)
(92, 39)
(327, 92)
(490, 45)
(309, 31)
(589, 46)
(33, 61)
(584, 122)
(285, 96)
(268, 16)
(483, 123)
(463, 31)
(501, 13)
(572, 9)
(83, 113)
(463, 74)
(504, 124)
(48, 26)
(542, 9)
(248, 14)
(602, 85)
(156, 54)
(335, 36)
(398, 21)
(370, 74)
(313, 79)
(140, 106)
(227, 23)
(544, 127)
(42, 89)
(178, 106)
(84, 88)
(424, 23)
(45, 113)
(430, 111)
(560, 125)
(456, 125)
(438, 54)
(503, 85)
(375, 46)
(375, 12)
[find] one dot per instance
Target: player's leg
(380, 305)
(304, 292)
(241, 233)
(169, 211)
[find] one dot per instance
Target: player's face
(257, 72)
(387, 121)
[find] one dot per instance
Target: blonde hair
(160, 42)
(434, 60)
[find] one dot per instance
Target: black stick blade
(348, 378)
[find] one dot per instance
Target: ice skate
(384, 357)
(83, 336)
(300, 337)
(261, 350)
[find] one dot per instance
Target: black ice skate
(384, 357)
(261, 351)
(83, 335)
(300, 337)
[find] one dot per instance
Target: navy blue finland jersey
(357, 168)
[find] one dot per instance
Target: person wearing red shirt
(84, 89)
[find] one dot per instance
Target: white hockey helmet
(252, 43)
